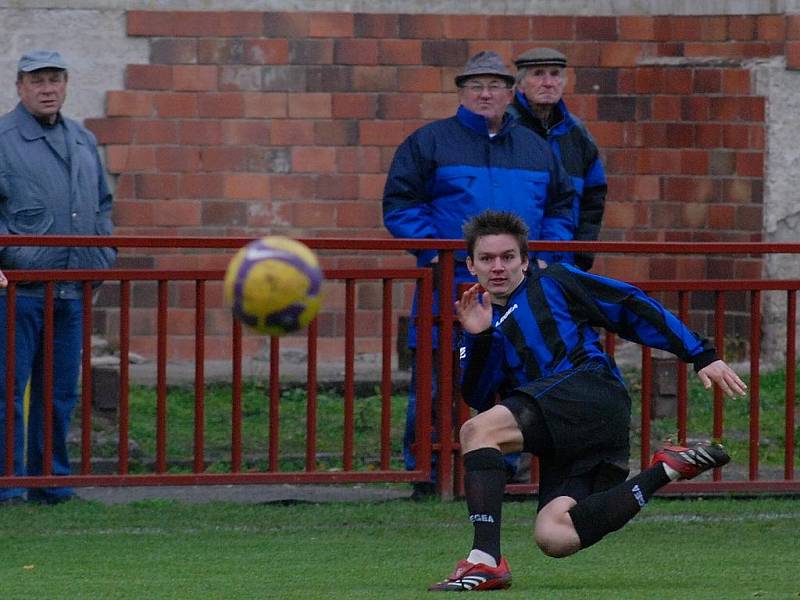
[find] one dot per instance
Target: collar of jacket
(562, 115)
(29, 127)
(479, 124)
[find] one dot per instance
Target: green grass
(714, 549)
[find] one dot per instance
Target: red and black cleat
(690, 462)
(470, 577)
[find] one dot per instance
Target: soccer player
(531, 338)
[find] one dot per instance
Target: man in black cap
(51, 183)
(538, 105)
(452, 169)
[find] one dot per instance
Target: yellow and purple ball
(273, 285)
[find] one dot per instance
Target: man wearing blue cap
(51, 183)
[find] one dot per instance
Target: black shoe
(423, 490)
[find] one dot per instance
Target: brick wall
(247, 123)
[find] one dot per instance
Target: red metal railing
(450, 471)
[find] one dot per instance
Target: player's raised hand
(720, 373)
(474, 310)
(3, 280)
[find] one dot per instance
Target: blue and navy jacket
(547, 328)
(572, 143)
(450, 170)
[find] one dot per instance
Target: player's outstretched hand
(3, 280)
(720, 373)
(474, 310)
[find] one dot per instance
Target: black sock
(484, 485)
(604, 512)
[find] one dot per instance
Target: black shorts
(577, 423)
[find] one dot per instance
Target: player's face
(43, 92)
(543, 85)
(486, 96)
(498, 265)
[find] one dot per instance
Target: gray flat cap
(538, 57)
(485, 63)
(40, 59)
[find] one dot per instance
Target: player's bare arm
(726, 378)
(474, 310)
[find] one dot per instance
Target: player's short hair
(493, 222)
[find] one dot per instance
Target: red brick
(465, 27)
(203, 132)
(645, 188)
(421, 79)
(220, 105)
(652, 161)
(311, 106)
(608, 134)
(172, 51)
(291, 132)
(721, 216)
(688, 189)
(111, 131)
(177, 158)
(219, 51)
(552, 28)
(750, 164)
(125, 186)
(134, 213)
(694, 215)
(156, 185)
(371, 186)
(508, 27)
(314, 214)
(223, 158)
(737, 189)
(399, 106)
(585, 106)
(248, 132)
(330, 25)
(653, 135)
(148, 77)
(126, 159)
(355, 52)
(400, 52)
(793, 27)
(636, 28)
(194, 77)
(313, 160)
(707, 81)
(359, 214)
(438, 106)
(180, 213)
(736, 136)
(694, 162)
(358, 159)
(382, 133)
(793, 55)
(266, 52)
(200, 185)
(286, 25)
(703, 50)
(420, 26)
(240, 78)
(708, 135)
(265, 104)
(354, 106)
(129, 104)
(175, 105)
(741, 27)
(154, 131)
(374, 79)
(649, 80)
(679, 135)
(337, 187)
(620, 54)
(693, 28)
(374, 26)
(292, 187)
(246, 186)
(225, 24)
(666, 108)
(584, 54)
(771, 28)
(150, 23)
(678, 81)
(596, 28)
(339, 132)
(311, 52)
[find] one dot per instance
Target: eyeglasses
(477, 88)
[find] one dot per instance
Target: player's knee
(468, 435)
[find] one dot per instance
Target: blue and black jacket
(547, 328)
(573, 145)
(450, 170)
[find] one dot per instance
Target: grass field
(719, 549)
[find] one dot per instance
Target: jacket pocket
(33, 220)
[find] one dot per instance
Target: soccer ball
(273, 285)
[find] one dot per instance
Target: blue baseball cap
(40, 59)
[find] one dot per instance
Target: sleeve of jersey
(637, 317)
(406, 207)
(557, 223)
(481, 359)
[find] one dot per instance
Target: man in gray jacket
(51, 183)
